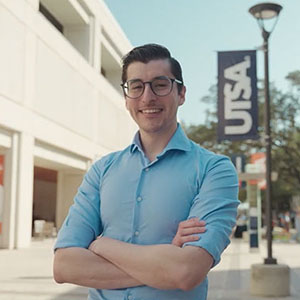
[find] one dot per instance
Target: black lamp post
(262, 12)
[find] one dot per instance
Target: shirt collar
(136, 143)
(179, 141)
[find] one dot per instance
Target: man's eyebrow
(156, 77)
(160, 77)
(134, 79)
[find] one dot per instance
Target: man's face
(152, 113)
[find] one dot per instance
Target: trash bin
(39, 228)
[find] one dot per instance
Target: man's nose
(148, 94)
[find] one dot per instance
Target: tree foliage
(286, 134)
(285, 128)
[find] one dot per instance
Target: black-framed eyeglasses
(160, 86)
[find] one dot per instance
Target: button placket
(138, 201)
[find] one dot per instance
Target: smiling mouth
(151, 111)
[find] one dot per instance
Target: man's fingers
(189, 238)
(188, 230)
(201, 223)
(179, 241)
(192, 230)
(191, 223)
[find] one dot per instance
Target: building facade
(61, 106)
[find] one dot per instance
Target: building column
(10, 192)
(24, 197)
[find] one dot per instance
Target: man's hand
(135, 259)
(187, 231)
(173, 267)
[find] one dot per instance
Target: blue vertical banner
(239, 161)
(237, 95)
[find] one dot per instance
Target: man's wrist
(99, 245)
(95, 246)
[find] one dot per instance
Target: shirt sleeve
(216, 204)
(83, 224)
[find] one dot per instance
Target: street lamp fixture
(262, 12)
(265, 10)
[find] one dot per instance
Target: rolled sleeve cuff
(74, 236)
(213, 242)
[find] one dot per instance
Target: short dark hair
(150, 52)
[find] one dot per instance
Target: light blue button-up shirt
(126, 197)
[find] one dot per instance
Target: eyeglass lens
(159, 86)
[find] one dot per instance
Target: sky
(195, 30)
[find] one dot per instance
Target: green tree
(286, 135)
(285, 127)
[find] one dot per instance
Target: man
(131, 231)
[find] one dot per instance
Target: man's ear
(182, 95)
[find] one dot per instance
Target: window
(50, 18)
(111, 62)
(72, 20)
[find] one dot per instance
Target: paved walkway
(27, 273)
(230, 280)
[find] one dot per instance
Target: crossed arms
(112, 264)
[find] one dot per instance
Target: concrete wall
(56, 109)
(44, 200)
(67, 187)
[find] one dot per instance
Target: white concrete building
(61, 106)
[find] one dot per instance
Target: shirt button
(136, 233)
(129, 297)
(147, 169)
(139, 199)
